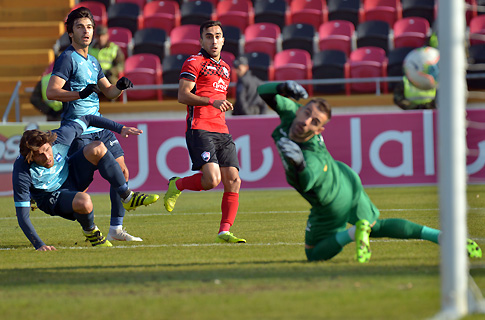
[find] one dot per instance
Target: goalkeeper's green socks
(403, 229)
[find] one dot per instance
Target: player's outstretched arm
(23, 218)
(130, 131)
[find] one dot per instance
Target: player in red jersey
(204, 79)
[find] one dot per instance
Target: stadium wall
(397, 148)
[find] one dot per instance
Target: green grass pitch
(178, 272)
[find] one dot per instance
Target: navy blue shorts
(59, 202)
(205, 147)
(105, 136)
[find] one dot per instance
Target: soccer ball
(421, 67)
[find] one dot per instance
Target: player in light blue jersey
(56, 182)
(76, 80)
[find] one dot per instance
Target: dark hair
(208, 24)
(32, 140)
(81, 12)
(323, 106)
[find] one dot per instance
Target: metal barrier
(13, 98)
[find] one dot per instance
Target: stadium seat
(293, 64)
(126, 15)
(262, 37)
(337, 35)
(236, 13)
(348, 10)
(273, 11)
(394, 65)
(139, 3)
(97, 9)
(330, 64)
(144, 69)
(184, 39)
(299, 36)
(384, 10)
(214, 2)
(373, 34)
(232, 40)
(163, 14)
(196, 12)
(471, 10)
(312, 12)
(367, 62)
(171, 67)
(419, 8)
(477, 30)
(123, 38)
(150, 40)
(106, 3)
(411, 32)
(476, 57)
(260, 65)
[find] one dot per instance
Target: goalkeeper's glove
(90, 88)
(292, 89)
(124, 83)
(292, 153)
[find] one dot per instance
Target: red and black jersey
(211, 79)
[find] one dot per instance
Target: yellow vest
(415, 95)
(105, 56)
(54, 104)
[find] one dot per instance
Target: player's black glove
(124, 83)
(90, 88)
(292, 153)
(292, 89)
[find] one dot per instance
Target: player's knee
(95, 149)
(82, 203)
(211, 181)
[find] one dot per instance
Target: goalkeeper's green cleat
(96, 238)
(473, 249)
(172, 194)
(362, 243)
(228, 237)
(140, 199)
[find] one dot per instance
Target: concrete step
(27, 43)
(16, 71)
(29, 14)
(36, 3)
(41, 29)
(26, 57)
(8, 84)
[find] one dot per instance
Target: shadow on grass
(284, 270)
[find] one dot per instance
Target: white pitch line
(189, 245)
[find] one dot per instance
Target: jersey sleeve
(70, 130)
(21, 182)
(101, 74)
(63, 66)
(282, 105)
(190, 69)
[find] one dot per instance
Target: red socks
(193, 183)
(229, 205)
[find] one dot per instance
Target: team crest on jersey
(206, 155)
(94, 66)
(58, 157)
(226, 72)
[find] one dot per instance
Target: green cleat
(473, 249)
(96, 238)
(140, 199)
(228, 238)
(172, 194)
(362, 243)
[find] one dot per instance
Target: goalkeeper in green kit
(333, 189)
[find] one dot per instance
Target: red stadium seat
(293, 64)
(185, 39)
(384, 10)
(262, 37)
(336, 35)
(144, 69)
(229, 59)
(367, 62)
(477, 30)
(97, 9)
(123, 38)
(312, 12)
(164, 14)
(411, 32)
(237, 13)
